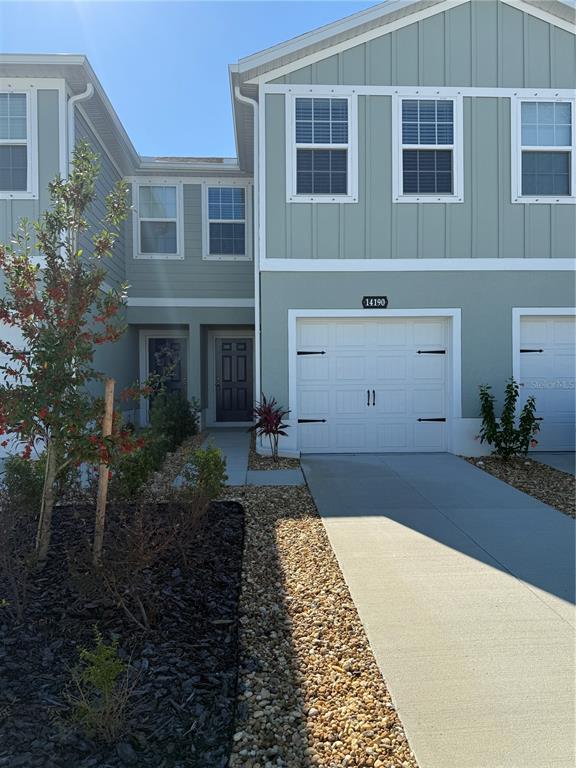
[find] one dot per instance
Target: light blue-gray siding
(107, 179)
(483, 43)
(476, 44)
(191, 276)
(485, 298)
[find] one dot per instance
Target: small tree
(62, 314)
(270, 423)
(508, 435)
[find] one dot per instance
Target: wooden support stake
(103, 474)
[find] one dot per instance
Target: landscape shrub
(207, 472)
(174, 417)
(24, 481)
(510, 435)
(270, 423)
(100, 691)
(131, 471)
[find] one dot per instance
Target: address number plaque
(375, 302)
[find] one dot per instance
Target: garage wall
(486, 300)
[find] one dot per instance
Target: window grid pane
(546, 124)
(546, 173)
(227, 239)
(322, 171)
(158, 237)
(427, 121)
(427, 171)
(226, 203)
(13, 116)
(321, 121)
(13, 168)
(157, 202)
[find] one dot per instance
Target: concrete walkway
(565, 461)
(234, 443)
(465, 587)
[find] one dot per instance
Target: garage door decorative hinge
(305, 352)
(431, 419)
(431, 351)
(531, 350)
(311, 421)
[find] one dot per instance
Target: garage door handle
(531, 350)
(311, 421)
(367, 397)
(431, 419)
(373, 397)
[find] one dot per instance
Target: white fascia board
(135, 301)
(418, 90)
(418, 265)
(331, 30)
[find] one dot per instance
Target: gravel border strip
(255, 461)
(549, 485)
(310, 692)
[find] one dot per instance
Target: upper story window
(158, 234)
(543, 136)
(321, 156)
(17, 148)
(427, 154)
(226, 225)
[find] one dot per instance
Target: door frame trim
(157, 333)
(455, 375)
(225, 333)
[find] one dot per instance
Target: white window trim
(457, 148)
(179, 255)
(206, 255)
(517, 147)
(352, 149)
(31, 144)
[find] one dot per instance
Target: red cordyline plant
(270, 423)
(57, 305)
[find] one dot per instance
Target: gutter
(256, 237)
(72, 101)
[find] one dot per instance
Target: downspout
(256, 237)
(72, 101)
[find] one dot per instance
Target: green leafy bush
(174, 417)
(509, 435)
(205, 473)
(24, 481)
(131, 471)
(100, 691)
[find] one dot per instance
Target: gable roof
(375, 21)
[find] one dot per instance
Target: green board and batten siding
(191, 276)
(479, 44)
(12, 211)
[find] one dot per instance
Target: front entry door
(234, 396)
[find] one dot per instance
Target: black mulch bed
(183, 706)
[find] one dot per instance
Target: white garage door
(547, 371)
(371, 385)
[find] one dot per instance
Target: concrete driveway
(466, 589)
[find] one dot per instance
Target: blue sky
(164, 64)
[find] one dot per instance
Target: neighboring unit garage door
(547, 371)
(370, 385)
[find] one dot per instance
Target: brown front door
(234, 395)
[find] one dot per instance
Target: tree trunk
(45, 522)
(103, 476)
